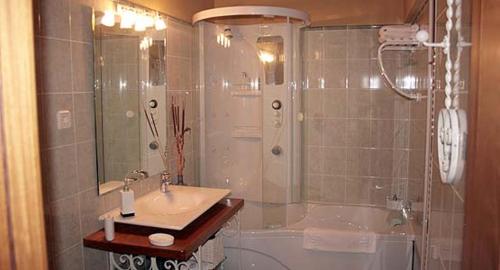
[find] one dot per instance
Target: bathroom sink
(172, 210)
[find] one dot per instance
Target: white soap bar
(161, 239)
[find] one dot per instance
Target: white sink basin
(174, 209)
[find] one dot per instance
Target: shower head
(228, 33)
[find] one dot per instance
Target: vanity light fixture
(128, 18)
(140, 23)
(135, 18)
(108, 19)
(160, 23)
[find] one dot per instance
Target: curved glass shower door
(248, 96)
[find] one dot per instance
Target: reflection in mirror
(129, 71)
(272, 56)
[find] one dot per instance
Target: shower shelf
(246, 93)
(247, 132)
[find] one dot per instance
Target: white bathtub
(282, 249)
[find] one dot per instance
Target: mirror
(129, 68)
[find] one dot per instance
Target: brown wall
(337, 12)
(482, 205)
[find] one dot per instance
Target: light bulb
(108, 19)
(128, 19)
(140, 24)
(148, 21)
(160, 24)
(266, 57)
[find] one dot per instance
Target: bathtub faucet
(406, 208)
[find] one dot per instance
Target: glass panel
(247, 116)
(272, 56)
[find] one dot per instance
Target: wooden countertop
(133, 239)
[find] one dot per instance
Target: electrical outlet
(63, 119)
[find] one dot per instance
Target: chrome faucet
(165, 181)
(143, 174)
(132, 177)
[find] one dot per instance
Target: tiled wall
(64, 59)
(180, 84)
(447, 208)
(359, 136)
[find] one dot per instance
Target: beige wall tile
(335, 103)
(335, 45)
(81, 20)
(313, 103)
(178, 73)
(382, 133)
(95, 259)
(358, 103)
(50, 135)
(314, 132)
(382, 104)
(313, 187)
(65, 223)
(313, 74)
(91, 206)
(358, 162)
(358, 190)
(381, 162)
(313, 45)
(86, 160)
(358, 133)
(335, 161)
(334, 132)
(359, 73)
(179, 39)
(315, 157)
(70, 259)
(59, 172)
(334, 73)
(333, 189)
(84, 117)
(52, 18)
(82, 66)
(54, 65)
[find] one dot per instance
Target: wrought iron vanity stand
(138, 262)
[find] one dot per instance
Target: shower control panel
(276, 105)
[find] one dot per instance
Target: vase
(180, 180)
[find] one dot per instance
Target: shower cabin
(323, 138)
(250, 102)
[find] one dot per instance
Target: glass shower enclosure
(248, 75)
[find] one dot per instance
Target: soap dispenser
(127, 195)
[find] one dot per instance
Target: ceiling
(322, 12)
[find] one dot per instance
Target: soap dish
(161, 239)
